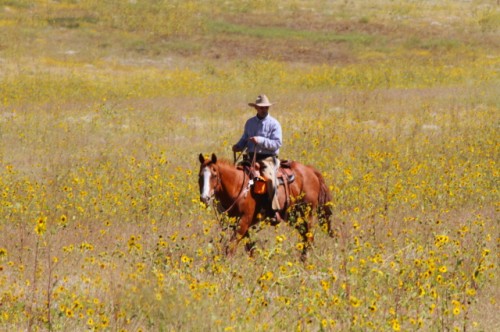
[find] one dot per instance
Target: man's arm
(274, 140)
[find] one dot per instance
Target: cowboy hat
(261, 101)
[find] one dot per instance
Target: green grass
(287, 34)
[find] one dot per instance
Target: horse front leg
(249, 245)
(239, 233)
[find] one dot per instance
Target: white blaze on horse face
(206, 190)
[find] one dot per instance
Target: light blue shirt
(268, 133)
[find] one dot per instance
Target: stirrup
(276, 219)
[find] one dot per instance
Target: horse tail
(325, 210)
(324, 197)
(324, 193)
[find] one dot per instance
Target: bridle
(220, 211)
(218, 188)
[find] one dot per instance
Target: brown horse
(309, 199)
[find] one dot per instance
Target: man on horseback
(263, 138)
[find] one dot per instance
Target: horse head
(208, 178)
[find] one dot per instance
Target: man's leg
(270, 171)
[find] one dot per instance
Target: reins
(243, 191)
(235, 159)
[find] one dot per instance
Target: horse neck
(231, 181)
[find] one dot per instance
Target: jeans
(269, 172)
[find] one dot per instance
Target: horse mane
(225, 162)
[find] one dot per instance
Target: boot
(275, 219)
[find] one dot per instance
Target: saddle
(284, 175)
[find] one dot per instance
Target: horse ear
(214, 158)
(202, 158)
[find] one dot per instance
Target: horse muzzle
(207, 199)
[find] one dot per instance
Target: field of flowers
(104, 108)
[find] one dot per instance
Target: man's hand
(236, 148)
(254, 140)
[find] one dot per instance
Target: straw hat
(261, 101)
